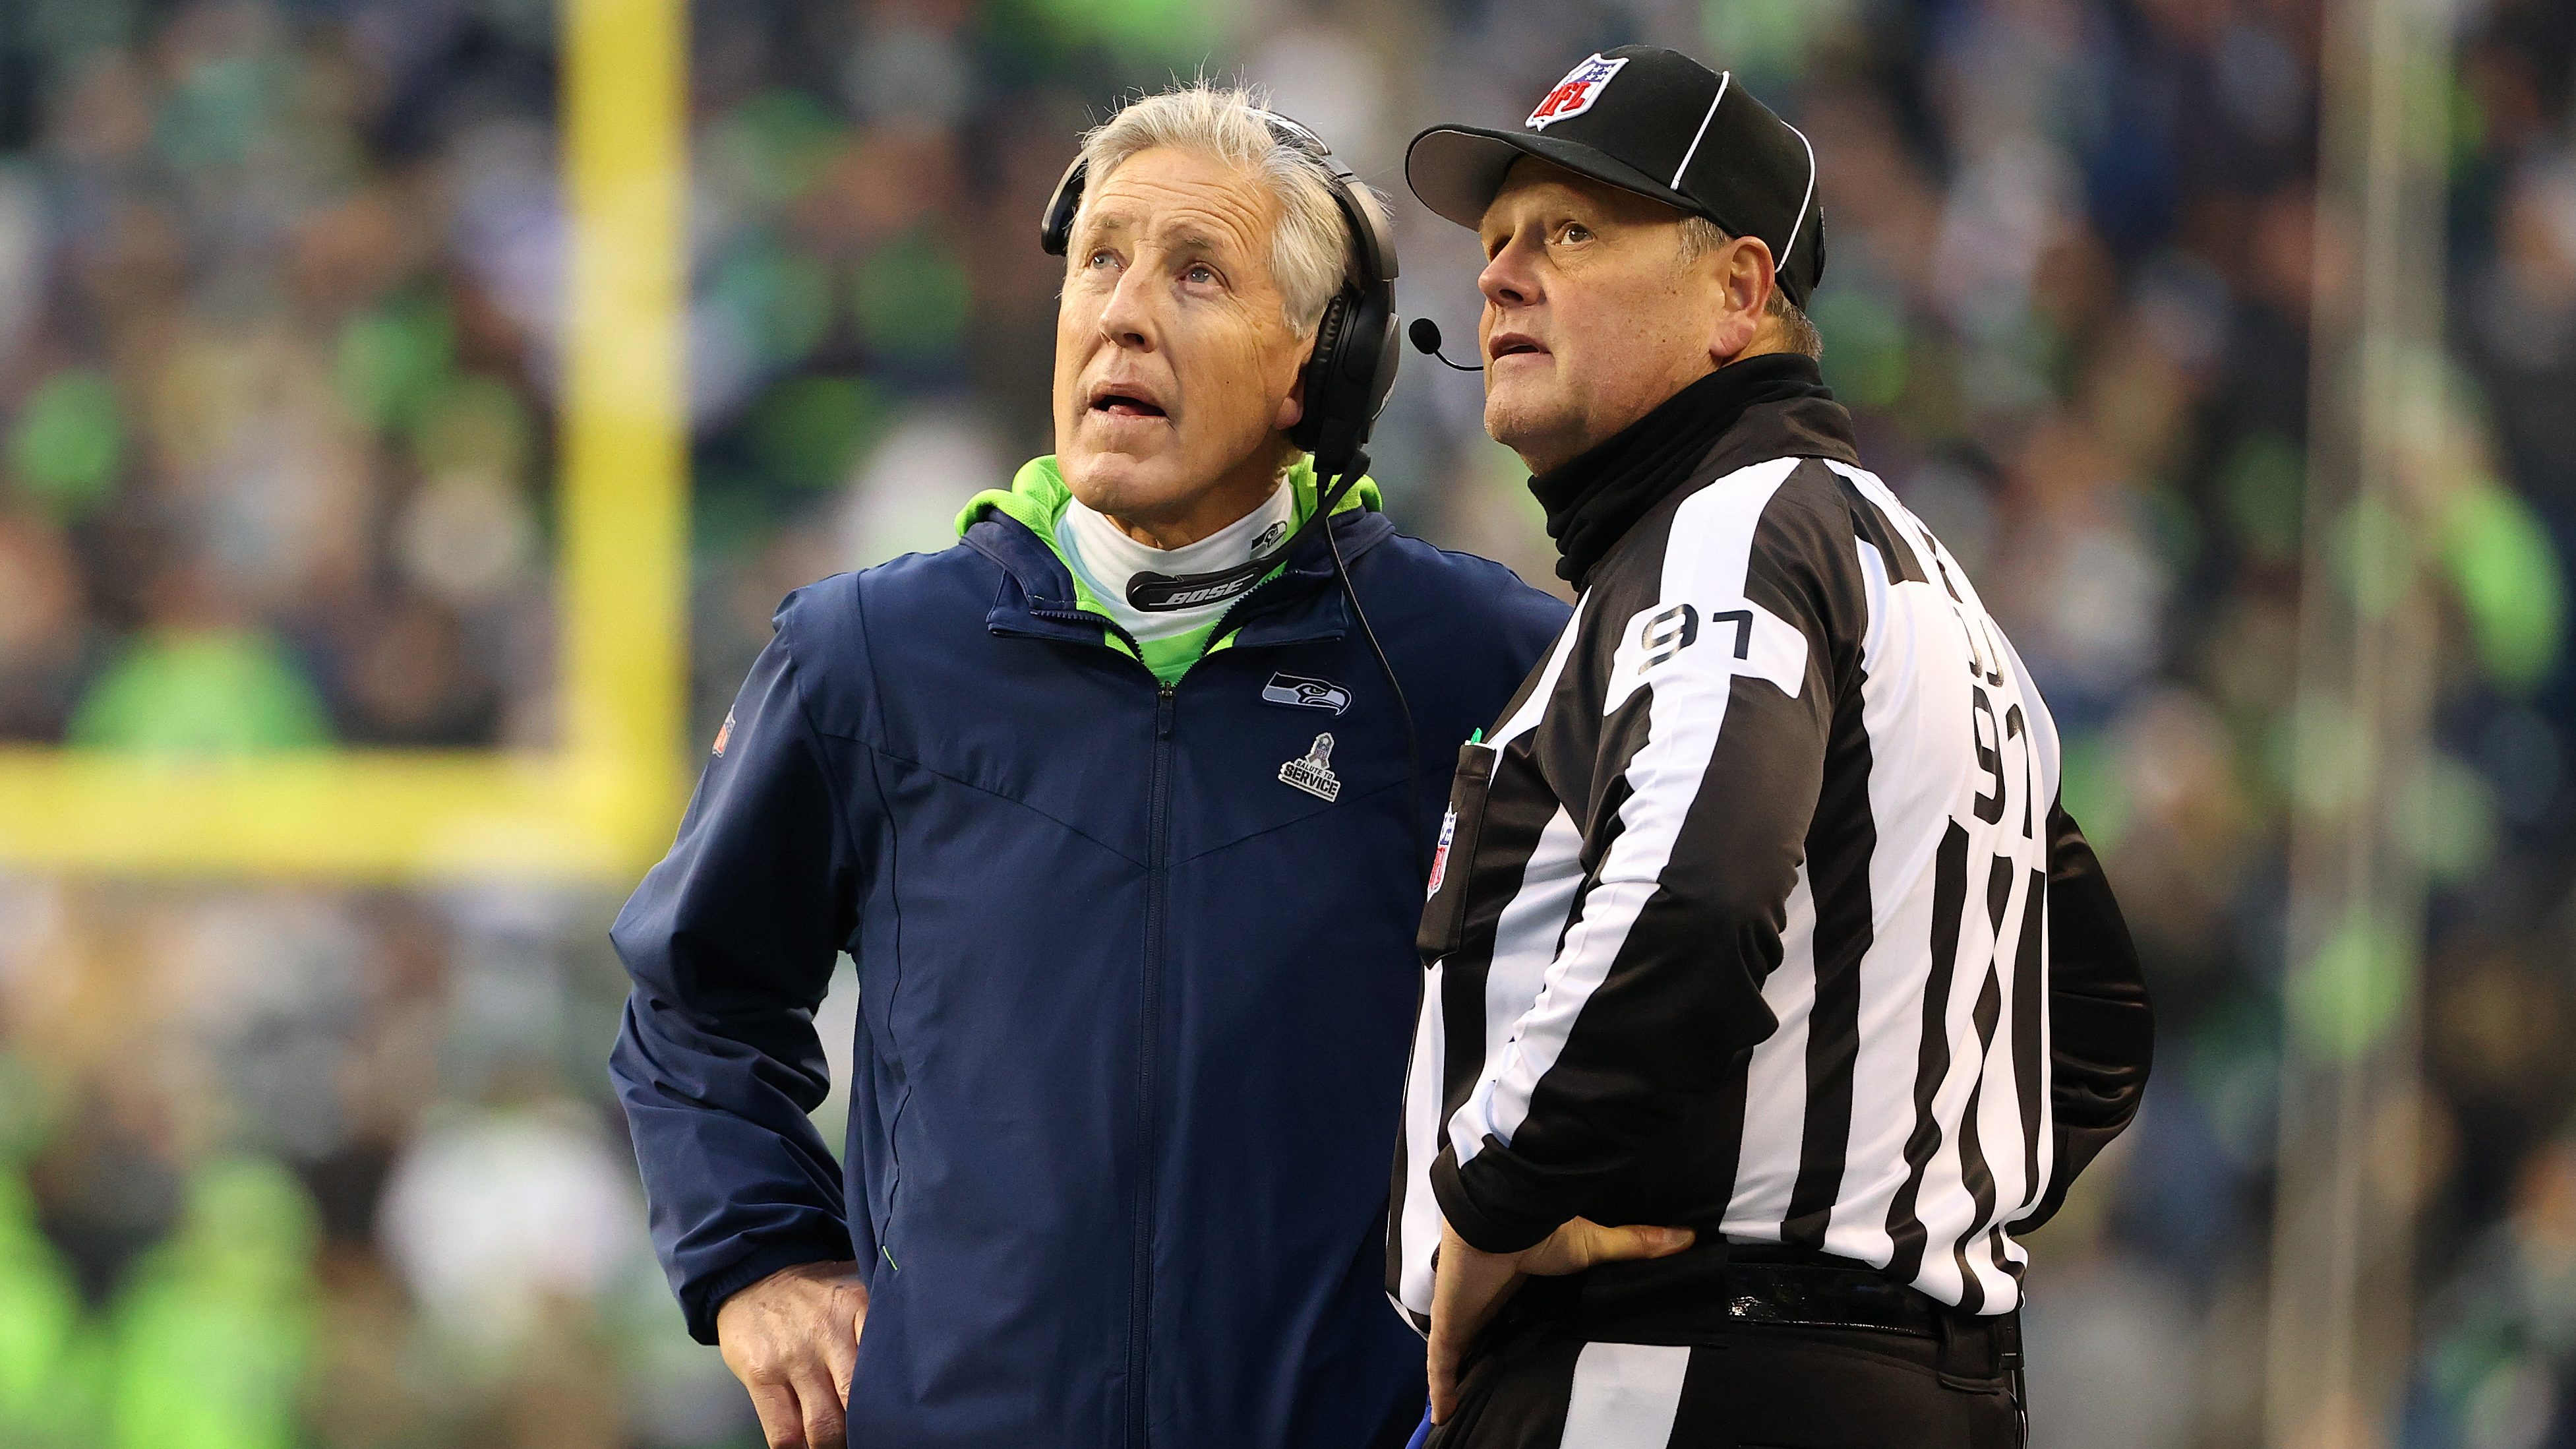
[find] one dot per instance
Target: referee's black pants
(1548, 1377)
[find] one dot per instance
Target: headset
(1347, 379)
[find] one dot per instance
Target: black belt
(1716, 1288)
(1792, 1289)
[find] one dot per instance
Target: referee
(1757, 918)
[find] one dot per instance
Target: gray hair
(1700, 236)
(1311, 254)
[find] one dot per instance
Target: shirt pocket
(1444, 913)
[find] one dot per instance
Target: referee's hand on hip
(1468, 1286)
(793, 1339)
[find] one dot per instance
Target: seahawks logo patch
(1299, 692)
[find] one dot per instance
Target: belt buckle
(1761, 1293)
(1795, 1295)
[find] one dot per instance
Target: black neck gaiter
(1592, 501)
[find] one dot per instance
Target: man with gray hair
(1122, 806)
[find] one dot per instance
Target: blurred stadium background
(326, 1157)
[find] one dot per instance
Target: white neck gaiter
(1106, 558)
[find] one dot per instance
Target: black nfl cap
(1658, 123)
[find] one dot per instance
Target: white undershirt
(1106, 558)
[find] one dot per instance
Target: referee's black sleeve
(2102, 1027)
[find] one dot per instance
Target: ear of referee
(1774, 997)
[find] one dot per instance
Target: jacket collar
(1036, 599)
(1038, 494)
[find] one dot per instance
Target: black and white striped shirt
(1758, 914)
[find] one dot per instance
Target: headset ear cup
(1055, 224)
(1374, 355)
(1324, 389)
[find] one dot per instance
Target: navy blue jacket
(1134, 1011)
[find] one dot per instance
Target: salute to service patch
(1312, 772)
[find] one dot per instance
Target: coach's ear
(1292, 406)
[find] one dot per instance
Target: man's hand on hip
(1469, 1286)
(793, 1338)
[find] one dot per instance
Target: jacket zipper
(1141, 1310)
(1140, 1317)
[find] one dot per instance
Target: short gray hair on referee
(1312, 253)
(1700, 236)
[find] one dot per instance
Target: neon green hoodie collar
(1038, 493)
(1037, 498)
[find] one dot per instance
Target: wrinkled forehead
(1182, 199)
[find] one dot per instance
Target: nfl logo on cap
(1575, 94)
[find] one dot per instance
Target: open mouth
(1126, 405)
(1514, 347)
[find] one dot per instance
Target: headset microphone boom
(1426, 340)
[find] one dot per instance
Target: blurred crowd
(279, 329)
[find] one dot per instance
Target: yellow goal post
(600, 803)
